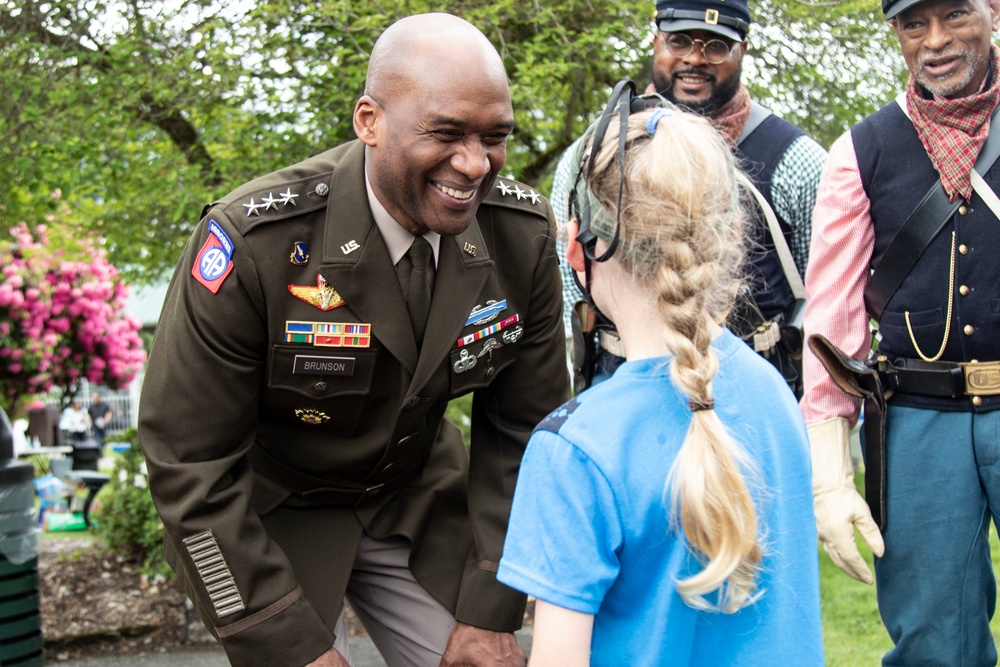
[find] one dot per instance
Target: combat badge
(215, 260)
(487, 313)
(513, 335)
(323, 296)
(299, 255)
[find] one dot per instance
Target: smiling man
(698, 50)
(319, 322)
(931, 443)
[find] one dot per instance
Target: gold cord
(951, 302)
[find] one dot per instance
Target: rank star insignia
(310, 416)
(504, 189)
(287, 198)
(252, 208)
(323, 296)
(521, 194)
(269, 202)
(535, 197)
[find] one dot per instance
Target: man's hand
(469, 646)
(838, 505)
(331, 658)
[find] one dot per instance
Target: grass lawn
(853, 634)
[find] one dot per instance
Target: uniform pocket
(927, 327)
(321, 387)
(475, 365)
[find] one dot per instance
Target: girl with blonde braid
(664, 517)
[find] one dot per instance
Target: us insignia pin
(323, 296)
(469, 249)
(299, 255)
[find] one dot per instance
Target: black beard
(722, 91)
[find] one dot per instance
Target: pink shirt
(842, 241)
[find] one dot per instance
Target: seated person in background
(664, 515)
(76, 422)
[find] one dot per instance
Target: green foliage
(143, 112)
(127, 521)
(460, 412)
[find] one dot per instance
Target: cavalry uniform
(939, 360)
(287, 409)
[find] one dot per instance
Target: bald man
(318, 323)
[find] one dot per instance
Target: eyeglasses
(715, 51)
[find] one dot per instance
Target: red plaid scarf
(732, 116)
(953, 131)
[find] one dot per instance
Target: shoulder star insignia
(270, 202)
(519, 192)
(252, 208)
(323, 296)
(287, 198)
(504, 188)
(535, 197)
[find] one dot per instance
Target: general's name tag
(308, 364)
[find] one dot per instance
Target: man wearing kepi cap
(904, 233)
(698, 50)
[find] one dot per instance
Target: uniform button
(963, 209)
(964, 290)
(977, 401)
(969, 329)
(320, 386)
(963, 249)
(322, 189)
(490, 372)
(404, 441)
(413, 402)
(388, 466)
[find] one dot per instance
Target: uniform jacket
(256, 358)
(896, 174)
(759, 154)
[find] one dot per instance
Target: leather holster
(861, 379)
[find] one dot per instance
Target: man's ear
(574, 249)
(367, 116)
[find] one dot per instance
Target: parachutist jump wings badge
(323, 296)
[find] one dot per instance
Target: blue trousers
(935, 583)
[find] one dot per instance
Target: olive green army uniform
(286, 409)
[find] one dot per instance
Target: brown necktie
(421, 285)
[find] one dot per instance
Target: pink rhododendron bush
(61, 317)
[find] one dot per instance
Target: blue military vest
(758, 155)
(896, 174)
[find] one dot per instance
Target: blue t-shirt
(589, 529)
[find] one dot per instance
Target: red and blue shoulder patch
(215, 260)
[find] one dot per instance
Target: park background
(119, 120)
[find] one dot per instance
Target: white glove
(838, 505)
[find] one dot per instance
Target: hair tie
(698, 406)
(651, 122)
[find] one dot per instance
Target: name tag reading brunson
(310, 364)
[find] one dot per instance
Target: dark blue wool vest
(896, 174)
(758, 156)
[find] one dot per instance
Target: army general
(318, 323)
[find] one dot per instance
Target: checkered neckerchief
(953, 131)
(732, 116)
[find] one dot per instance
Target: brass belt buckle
(981, 378)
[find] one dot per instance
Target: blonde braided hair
(682, 232)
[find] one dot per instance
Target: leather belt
(950, 379)
(317, 490)
(610, 341)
